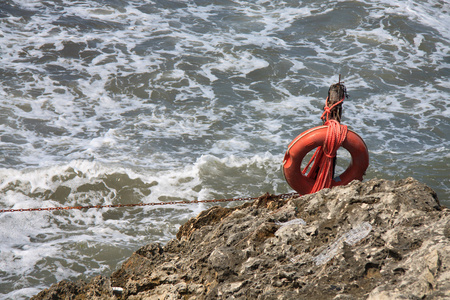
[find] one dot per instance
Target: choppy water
(108, 102)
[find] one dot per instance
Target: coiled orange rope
(323, 157)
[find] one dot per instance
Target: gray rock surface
(373, 240)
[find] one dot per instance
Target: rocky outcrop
(374, 240)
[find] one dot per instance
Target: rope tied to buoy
(326, 140)
(328, 109)
(323, 157)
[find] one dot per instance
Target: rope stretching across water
(280, 196)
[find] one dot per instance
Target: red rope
(327, 109)
(322, 159)
(280, 196)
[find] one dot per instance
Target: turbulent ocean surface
(117, 102)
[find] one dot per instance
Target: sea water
(119, 102)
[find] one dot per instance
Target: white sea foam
(38, 237)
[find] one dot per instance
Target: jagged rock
(374, 240)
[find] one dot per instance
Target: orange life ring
(312, 139)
